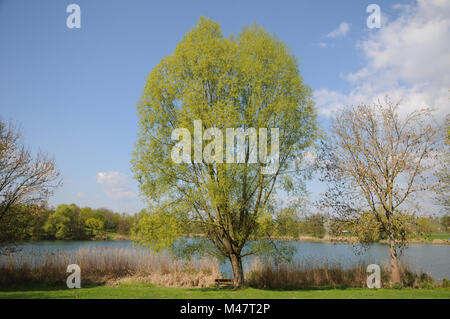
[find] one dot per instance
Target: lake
(432, 259)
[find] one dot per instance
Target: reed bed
(107, 266)
(295, 275)
(112, 266)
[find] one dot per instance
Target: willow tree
(378, 163)
(216, 84)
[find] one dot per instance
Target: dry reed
(313, 274)
(108, 266)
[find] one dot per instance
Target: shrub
(445, 283)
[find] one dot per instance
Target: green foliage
(445, 283)
(22, 223)
(67, 222)
(156, 229)
(266, 225)
(397, 286)
(288, 222)
(94, 225)
(445, 222)
(63, 223)
(367, 228)
(124, 224)
(71, 222)
(339, 227)
(413, 280)
(246, 81)
(313, 225)
(185, 248)
(424, 226)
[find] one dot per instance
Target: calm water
(432, 259)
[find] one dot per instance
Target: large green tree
(247, 81)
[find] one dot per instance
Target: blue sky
(74, 91)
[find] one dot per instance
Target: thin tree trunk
(394, 261)
(238, 273)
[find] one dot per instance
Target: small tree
(24, 179)
(378, 161)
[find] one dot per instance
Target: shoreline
(325, 239)
(352, 240)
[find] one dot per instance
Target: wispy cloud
(341, 31)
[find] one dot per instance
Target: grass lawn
(146, 291)
(439, 236)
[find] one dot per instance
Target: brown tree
(24, 179)
(443, 174)
(379, 162)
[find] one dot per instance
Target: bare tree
(379, 161)
(443, 174)
(24, 179)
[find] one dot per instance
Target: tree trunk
(394, 262)
(238, 273)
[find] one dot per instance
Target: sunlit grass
(146, 291)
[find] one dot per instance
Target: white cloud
(408, 58)
(115, 185)
(341, 31)
(329, 100)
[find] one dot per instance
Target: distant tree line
(66, 222)
(71, 222)
(289, 222)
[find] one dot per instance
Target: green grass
(140, 290)
(430, 238)
(439, 236)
